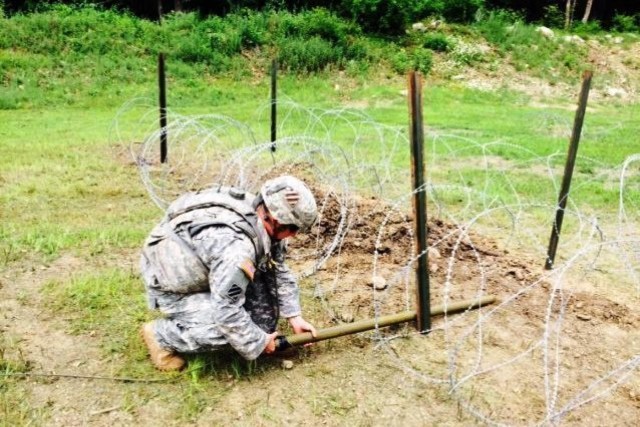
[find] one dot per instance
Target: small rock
(346, 317)
(615, 92)
(378, 283)
(433, 253)
(579, 304)
(584, 317)
(546, 32)
(573, 39)
(519, 275)
(435, 24)
(287, 364)
(418, 26)
(433, 267)
(618, 40)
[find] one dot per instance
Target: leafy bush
(625, 23)
(314, 54)
(400, 62)
(437, 42)
(317, 22)
(462, 11)
(466, 54)
(499, 26)
(420, 59)
(392, 16)
(553, 17)
(327, 25)
(591, 27)
(381, 16)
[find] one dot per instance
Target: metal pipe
(380, 322)
(163, 108)
(419, 202)
(274, 103)
(568, 170)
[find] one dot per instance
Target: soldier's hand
(299, 325)
(271, 343)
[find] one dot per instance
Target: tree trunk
(568, 13)
(587, 11)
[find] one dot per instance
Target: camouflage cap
(290, 201)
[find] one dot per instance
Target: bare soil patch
(499, 371)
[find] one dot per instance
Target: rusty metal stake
(419, 201)
(163, 108)
(568, 170)
(274, 102)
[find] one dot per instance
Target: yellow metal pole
(365, 325)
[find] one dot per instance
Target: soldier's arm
(289, 293)
(288, 290)
(227, 256)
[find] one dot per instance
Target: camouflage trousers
(188, 327)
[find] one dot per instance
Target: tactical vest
(169, 245)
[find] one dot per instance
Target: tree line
(394, 13)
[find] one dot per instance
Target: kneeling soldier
(215, 267)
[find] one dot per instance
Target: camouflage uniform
(212, 269)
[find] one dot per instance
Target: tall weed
(314, 54)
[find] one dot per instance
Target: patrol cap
(290, 201)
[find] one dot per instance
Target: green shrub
(252, 27)
(499, 26)
(400, 62)
(462, 11)
(553, 17)
(437, 42)
(314, 54)
(625, 23)
(466, 54)
(358, 50)
(419, 59)
(591, 27)
(317, 22)
(422, 60)
(327, 25)
(381, 16)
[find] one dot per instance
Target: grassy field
(68, 192)
(64, 159)
(74, 213)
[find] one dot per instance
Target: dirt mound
(367, 238)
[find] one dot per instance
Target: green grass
(87, 57)
(69, 187)
(109, 301)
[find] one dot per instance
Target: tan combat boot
(164, 360)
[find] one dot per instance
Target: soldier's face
(276, 230)
(282, 231)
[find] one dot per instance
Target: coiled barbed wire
(497, 193)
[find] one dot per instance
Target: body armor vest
(179, 266)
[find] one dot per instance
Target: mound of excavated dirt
(368, 238)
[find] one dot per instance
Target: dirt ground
(547, 346)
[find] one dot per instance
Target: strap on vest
(248, 226)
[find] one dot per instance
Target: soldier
(214, 266)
